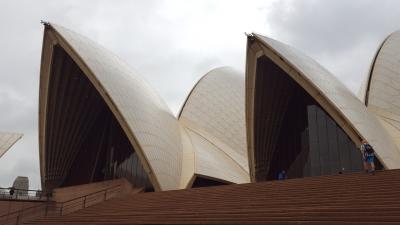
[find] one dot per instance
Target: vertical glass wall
(293, 132)
(326, 149)
(87, 141)
(205, 182)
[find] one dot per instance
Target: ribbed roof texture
(209, 137)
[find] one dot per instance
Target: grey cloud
(333, 26)
(342, 35)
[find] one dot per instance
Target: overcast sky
(173, 43)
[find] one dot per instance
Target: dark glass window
(205, 182)
(331, 151)
(85, 142)
(293, 132)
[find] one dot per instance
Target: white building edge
(7, 140)
(208, 139)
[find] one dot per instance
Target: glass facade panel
(205, 182)
(293, 132)
(98, 148)
(337, 153)
(323, 143)
(315, 167)
(334, 161)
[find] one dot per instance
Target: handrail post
(84, 202)
(105, 195)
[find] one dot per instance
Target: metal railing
(51, 208)
(21, 194)
(85, 201)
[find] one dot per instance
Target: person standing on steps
(282, 175)
(368, 157)
(12, 190)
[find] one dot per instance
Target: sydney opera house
(100, 121)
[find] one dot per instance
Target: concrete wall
(68, 193)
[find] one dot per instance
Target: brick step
(356, 198)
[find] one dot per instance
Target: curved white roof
(7, 140)
(383, 88)
(209, 137)
(330, 93)
(150, 126)
(216, 105)
(214, 116)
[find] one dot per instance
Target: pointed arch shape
(150, 126)
(346, 110)
(382, 90)
(213, 117)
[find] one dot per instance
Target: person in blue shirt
(282, 175)
(368, 157)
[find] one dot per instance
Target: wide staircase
(357, 198)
